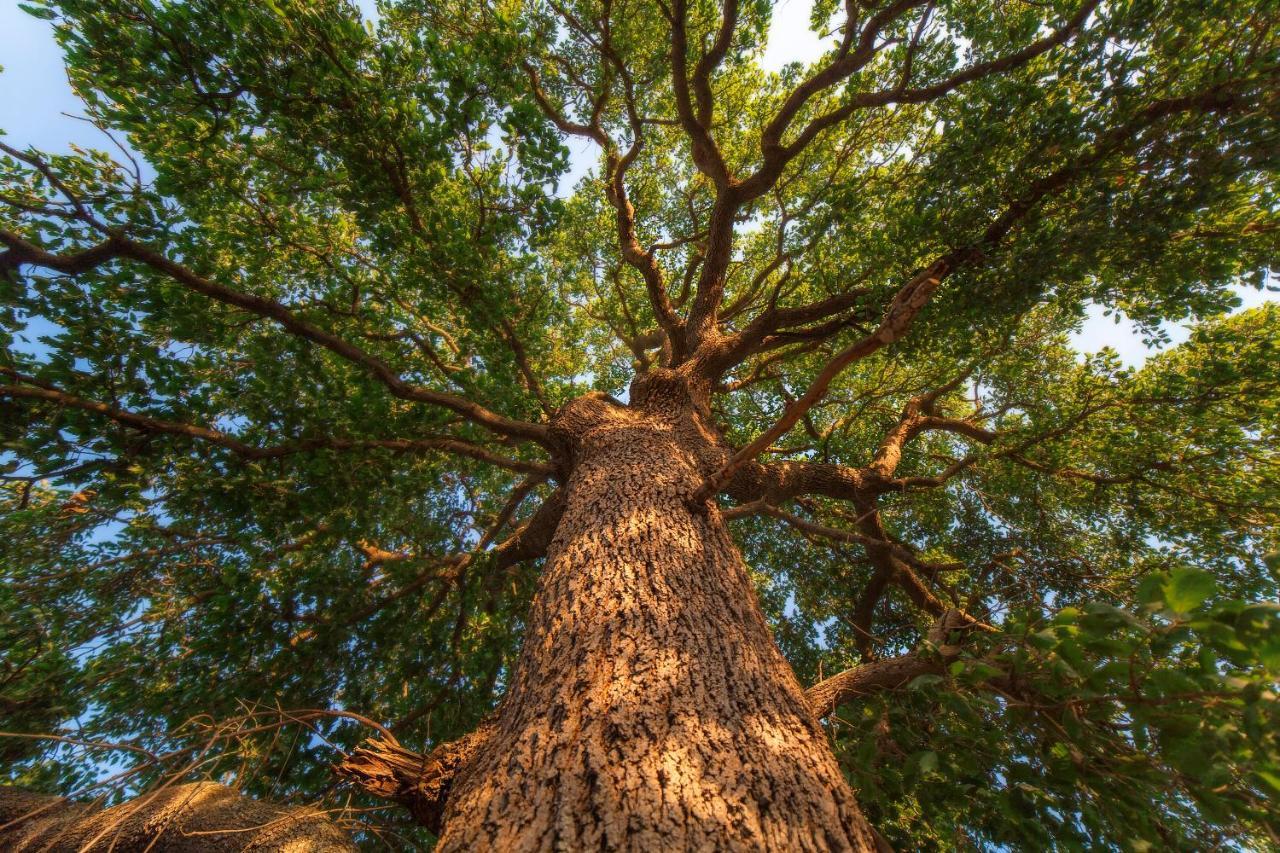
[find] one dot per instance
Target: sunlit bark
(650, 707)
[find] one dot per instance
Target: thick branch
(871, 677)
(917, 417)
(706, 156)
(531, 541)
(709, 292)
(149, 424)
(916, 293)
(781, 324)
(777, 482)
(200, 816)
(118, 246)
(711, 61)
(889, 674)
(897, 320)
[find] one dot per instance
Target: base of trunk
(650, 708)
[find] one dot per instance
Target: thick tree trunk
(650, 708)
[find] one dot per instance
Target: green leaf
(1269, 654)
(1269, 778)
(398, 219)
(1109, 616)
(1188, 588)
(43, 12)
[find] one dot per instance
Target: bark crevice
(650, 707)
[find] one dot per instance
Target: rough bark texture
(420, 783)
(891, 673)
(650, 708)
(202, 816)
(888, 674)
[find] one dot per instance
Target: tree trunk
(650, 708)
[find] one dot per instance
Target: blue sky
(34, 96)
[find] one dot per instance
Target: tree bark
(650, 708)
(201, 816)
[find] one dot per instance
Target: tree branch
(847, 61)
(171, 819)
(118, 246)
(902, 95)
(897, 320)
(711, 61)
(706, 155)
(531, 541)
(777, 154)
(889, 674)
(916, 293)
(616, 166)
(420, 783)
(149, 424)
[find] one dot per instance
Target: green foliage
(398, 185)
(1056, 732)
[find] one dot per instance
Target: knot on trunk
(579, 416)
(420, 783)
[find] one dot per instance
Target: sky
(35, 98)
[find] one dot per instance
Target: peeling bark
(418, 782)
(201, 816)
(650, 707)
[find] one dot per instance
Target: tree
(334, 411)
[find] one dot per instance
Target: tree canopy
(275, 400)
